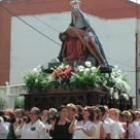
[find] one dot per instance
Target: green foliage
(84, 80)
(2, 103)
(82, 77)
(19, 102)
(36, 81)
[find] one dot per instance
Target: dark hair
(20, 111)
(103, 110)
(61, 108)
(8, 119)
(133, 115)
(79, 109)
(91, 112)
(1, 113)
(53, 117)
(26, 119)
(98, 112)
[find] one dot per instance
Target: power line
(9, 11)
(122, 64)
(44, 23)
(47, 25)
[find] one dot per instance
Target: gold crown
(75, 3)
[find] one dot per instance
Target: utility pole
(137, 55)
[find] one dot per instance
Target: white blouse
(98, 130)
(3, 130)
(117, 130)
(134, 130)
(48, 127)
(79, 134)
(35, 131)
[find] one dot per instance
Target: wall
(10, 92)
(30, 49)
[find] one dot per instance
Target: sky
(136, 1)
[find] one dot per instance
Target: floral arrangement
(79, 77)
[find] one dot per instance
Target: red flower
(64, 74)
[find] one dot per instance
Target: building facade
(29, 32)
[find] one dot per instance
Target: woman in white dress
(19, 114)
(98, 123)
(45, 118)
(117, 130)
(3, 130)
(132, 127)
(84, 129)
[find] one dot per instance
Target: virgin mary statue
(79, 41)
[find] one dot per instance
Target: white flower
(105, 82)
(122, 85)
(116, 95)
(111, 90)
(35, 70)
(39, 67)
(113, 79)
(125, 96)
(93, 69)
(87, 70)
(88, 64)
(62, 66)
(81, 68)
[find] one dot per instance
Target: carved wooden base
(56, 98)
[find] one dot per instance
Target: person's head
(133, 117)
(53, 112)
(114, 114)
(137, 114)
(97, 114)
(88, 114)
(63, 112)
(79, 109)
(10, 113)
(126, 116)
(103, 110)
(106, 110)
(75, 4)
(9, 116)
(34, 114)
(45, 115)
(72, 111)
(19, 113)
(78, 20)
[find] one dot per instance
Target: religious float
(81, 73)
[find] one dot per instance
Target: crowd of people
(70, 122)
